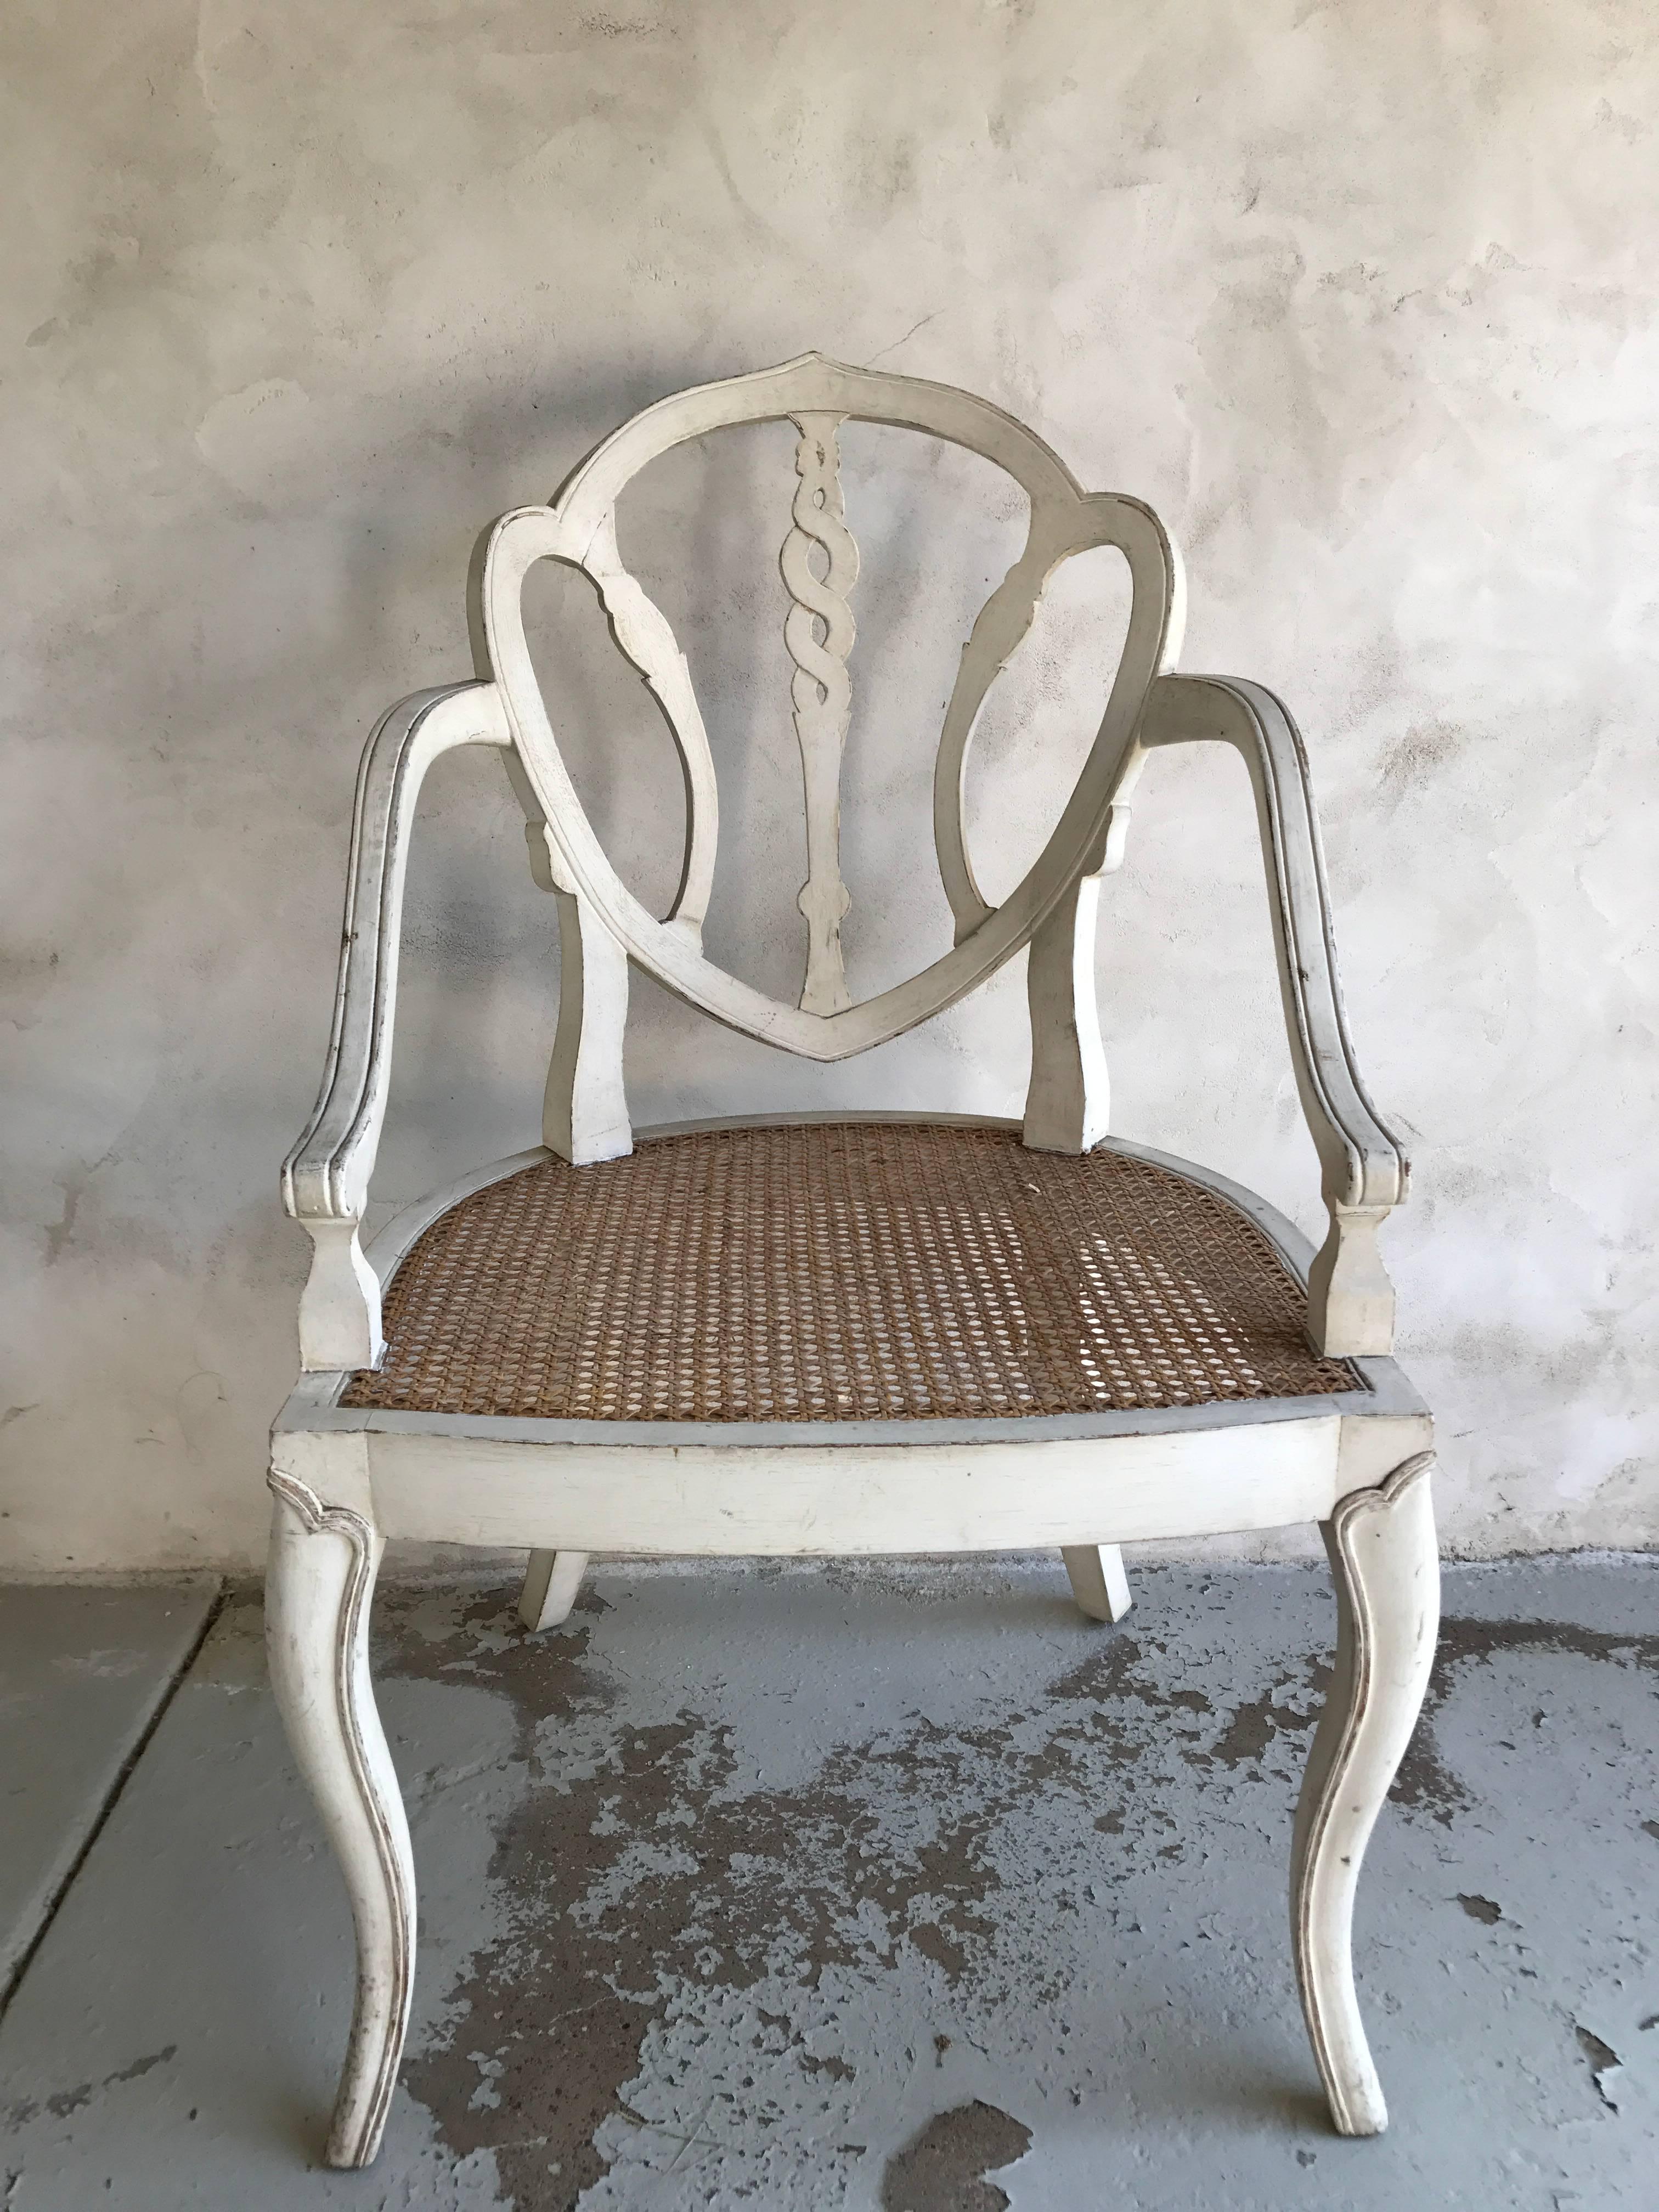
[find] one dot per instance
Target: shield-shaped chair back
(819, 564)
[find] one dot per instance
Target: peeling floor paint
(901, 1889)
(947, 2168)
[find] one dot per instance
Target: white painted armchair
(823, 1333)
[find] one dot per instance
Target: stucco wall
(1361, 299)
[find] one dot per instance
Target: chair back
(819, 561)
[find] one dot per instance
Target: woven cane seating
(839, 1333)
(831, 1271)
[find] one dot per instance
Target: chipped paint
(654, 1892)
(778, 1887)
(947, 2168)
(1605, 2068)
(1481, 1908)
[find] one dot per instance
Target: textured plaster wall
(1361, 299)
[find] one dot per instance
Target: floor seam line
(140, 1743)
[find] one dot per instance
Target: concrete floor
(83, 1674)
(904, 1889)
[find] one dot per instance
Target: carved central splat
(819, 631)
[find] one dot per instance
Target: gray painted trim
(1032, 1429)
(388, 1250)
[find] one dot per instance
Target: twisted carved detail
(819, 631)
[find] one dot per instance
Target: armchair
(826, 1334)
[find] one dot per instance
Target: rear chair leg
(1099, 1581)
(318, 1587)
(1387, 1570)
(549, 1588)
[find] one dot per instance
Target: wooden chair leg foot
(318, 1587)
(1099, 1581)
(1387, 1570)
(549, 1588)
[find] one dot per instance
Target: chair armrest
(1363, 1170)
(325, 1176)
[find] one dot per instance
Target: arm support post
(584, 1110)
(1363, 1171)
(585, 1107)
(325, 1176)
(1066, 1102)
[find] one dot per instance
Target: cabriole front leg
(318, 1587)
(1387, 1570)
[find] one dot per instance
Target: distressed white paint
(828, 1501)
(344, 1478)
(1068, 1099)
(317, 1589)
(1387, 1572)
(1063, 521)
(325, 1176)
(1351, 1299)
(324, 1550)
(862, 1487)
(1353, 299)
(1053, 906)
(871, 1487)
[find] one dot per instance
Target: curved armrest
(325, 1176)
(1364, 1169)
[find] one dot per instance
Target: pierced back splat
(1049, 908)
(819, 631)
